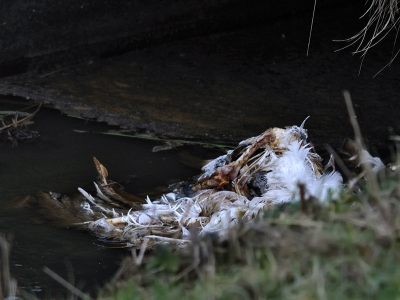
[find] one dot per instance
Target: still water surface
(61, 161)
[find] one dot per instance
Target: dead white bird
(262, 171)
(271, 168)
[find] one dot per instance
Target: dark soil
(232, 85)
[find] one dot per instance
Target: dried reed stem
(65, 283)
(360, 142)
(8, 284)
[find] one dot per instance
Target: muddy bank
(231, 85)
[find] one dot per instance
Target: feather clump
(262, 171)
(274, 171)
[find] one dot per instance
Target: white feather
(327, 186)
(292, 168)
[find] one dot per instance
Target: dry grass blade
(65, 283)
(374, 188)
(383, 17)
(339, 161)
(312, 23)
(139, 258)
(8, 284)
(353, 119)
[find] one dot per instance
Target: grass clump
(347, 249)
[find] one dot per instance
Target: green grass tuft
(348, 249)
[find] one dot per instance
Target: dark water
(61, 161)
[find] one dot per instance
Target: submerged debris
(260, 172)
(13, 125)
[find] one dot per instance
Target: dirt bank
(231, 85)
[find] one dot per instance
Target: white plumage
(294, 167)
(261, 172)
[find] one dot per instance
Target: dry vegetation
(382, 18)
(13, 125)
(346, 249)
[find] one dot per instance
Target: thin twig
(23, 119)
